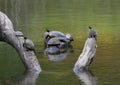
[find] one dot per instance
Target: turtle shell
(29, 44)
(56, 34)
(18, 33)
(54, 41)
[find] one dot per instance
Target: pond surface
(67, 16)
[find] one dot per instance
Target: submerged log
(89, 50)
(8, 35)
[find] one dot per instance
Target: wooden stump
(88, 52)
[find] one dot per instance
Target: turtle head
(25, 38)
(47, 30)
(69, 37)
(89, 27)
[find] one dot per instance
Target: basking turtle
(53, 34)
(56, 34)
(60, 34)
(92, 33)
(69, 37)
(58, 41)
(53, 42)
(28, 44)
(18, 33)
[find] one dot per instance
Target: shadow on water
(86, 77)
(27, 78)
(59, 55)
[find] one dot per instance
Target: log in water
(89, 50)
(8, 35)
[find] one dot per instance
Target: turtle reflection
(57, 54)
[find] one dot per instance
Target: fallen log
(8, 35)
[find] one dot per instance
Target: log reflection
(28, 78)
(86, 77)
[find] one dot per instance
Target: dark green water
(67, 16)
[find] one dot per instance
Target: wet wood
(7, 34)
(89, 50)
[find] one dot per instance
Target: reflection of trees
(86, 77)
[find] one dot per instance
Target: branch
(8, 35)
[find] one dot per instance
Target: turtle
(92, 33)
(68, 37)
(53, 34)
(58, 41)
(28, 44)
(18, 33)
(56, 34)
(53, 42)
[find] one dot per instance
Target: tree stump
(89, 50)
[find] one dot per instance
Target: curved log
(8, 35)
(89, 50)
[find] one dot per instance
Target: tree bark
(88, 52)
(7, 34)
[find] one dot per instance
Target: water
(67, 16)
